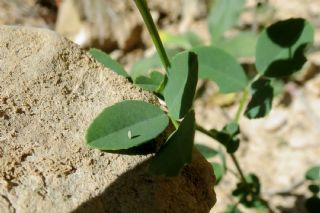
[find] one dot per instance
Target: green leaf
(177, 151)
(107, 61)
(151, 83)
(218, 171)
(232, 129)
(280, 47)
(233, 145)
(222, 68)
(232, 209)
(315, 189)
(185, 41)
(144, 66)
(223, 16)
(313, 173)
(206, 151)
(261, 101)
(249, 192)
(126, 124)
(181, 86)
(228, 137)
(223, 158)
(278, 86)
(241, 45)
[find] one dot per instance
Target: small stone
(313, 86)
(275, 120)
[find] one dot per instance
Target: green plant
(312, 204)
(280, 52)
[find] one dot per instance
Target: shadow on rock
(136, 191)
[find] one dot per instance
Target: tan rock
(50, 90)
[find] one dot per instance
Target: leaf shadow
(144, 149)
(298, 206)
(191, 84)
(261, 101)
(286, 33)
(136, 191)
(285, 67)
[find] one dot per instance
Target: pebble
(275, 120)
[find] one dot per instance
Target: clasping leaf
(177, 151)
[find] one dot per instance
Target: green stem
(174, 122)
(242, 104)
(236, 163)
(147, 18)
(244, 98)
(213, 135)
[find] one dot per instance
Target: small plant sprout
(279, 52)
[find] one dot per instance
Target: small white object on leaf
(129, 134)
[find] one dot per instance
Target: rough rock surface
(50, 90)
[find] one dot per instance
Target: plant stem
(213, 135)
(236, 163)
(237, 118)
(242, 104)
(174, 122)
(147, 18)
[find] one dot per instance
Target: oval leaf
(261, 101)
(313, 173)
(241, 45)
(181, 86)
(126, 124)
(222, 68)
(206, 151)
(107, 61)
(151, 83)
(280, 47)
(184, 41)
(218, 171)
(315, 189)
(144, 66)
(223, 16)
(177, 151)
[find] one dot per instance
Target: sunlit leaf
(126, 124)
(181, 86)
(261, 101)
(218, 171)
(144, 66)
(223, 15)
(206, 151)
(280, 48)
(150, 83)
(313, 173)
(185, 41)
(222, 68)
(232, 209)
(107, 61)
(241, 45)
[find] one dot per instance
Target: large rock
(50, 90)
